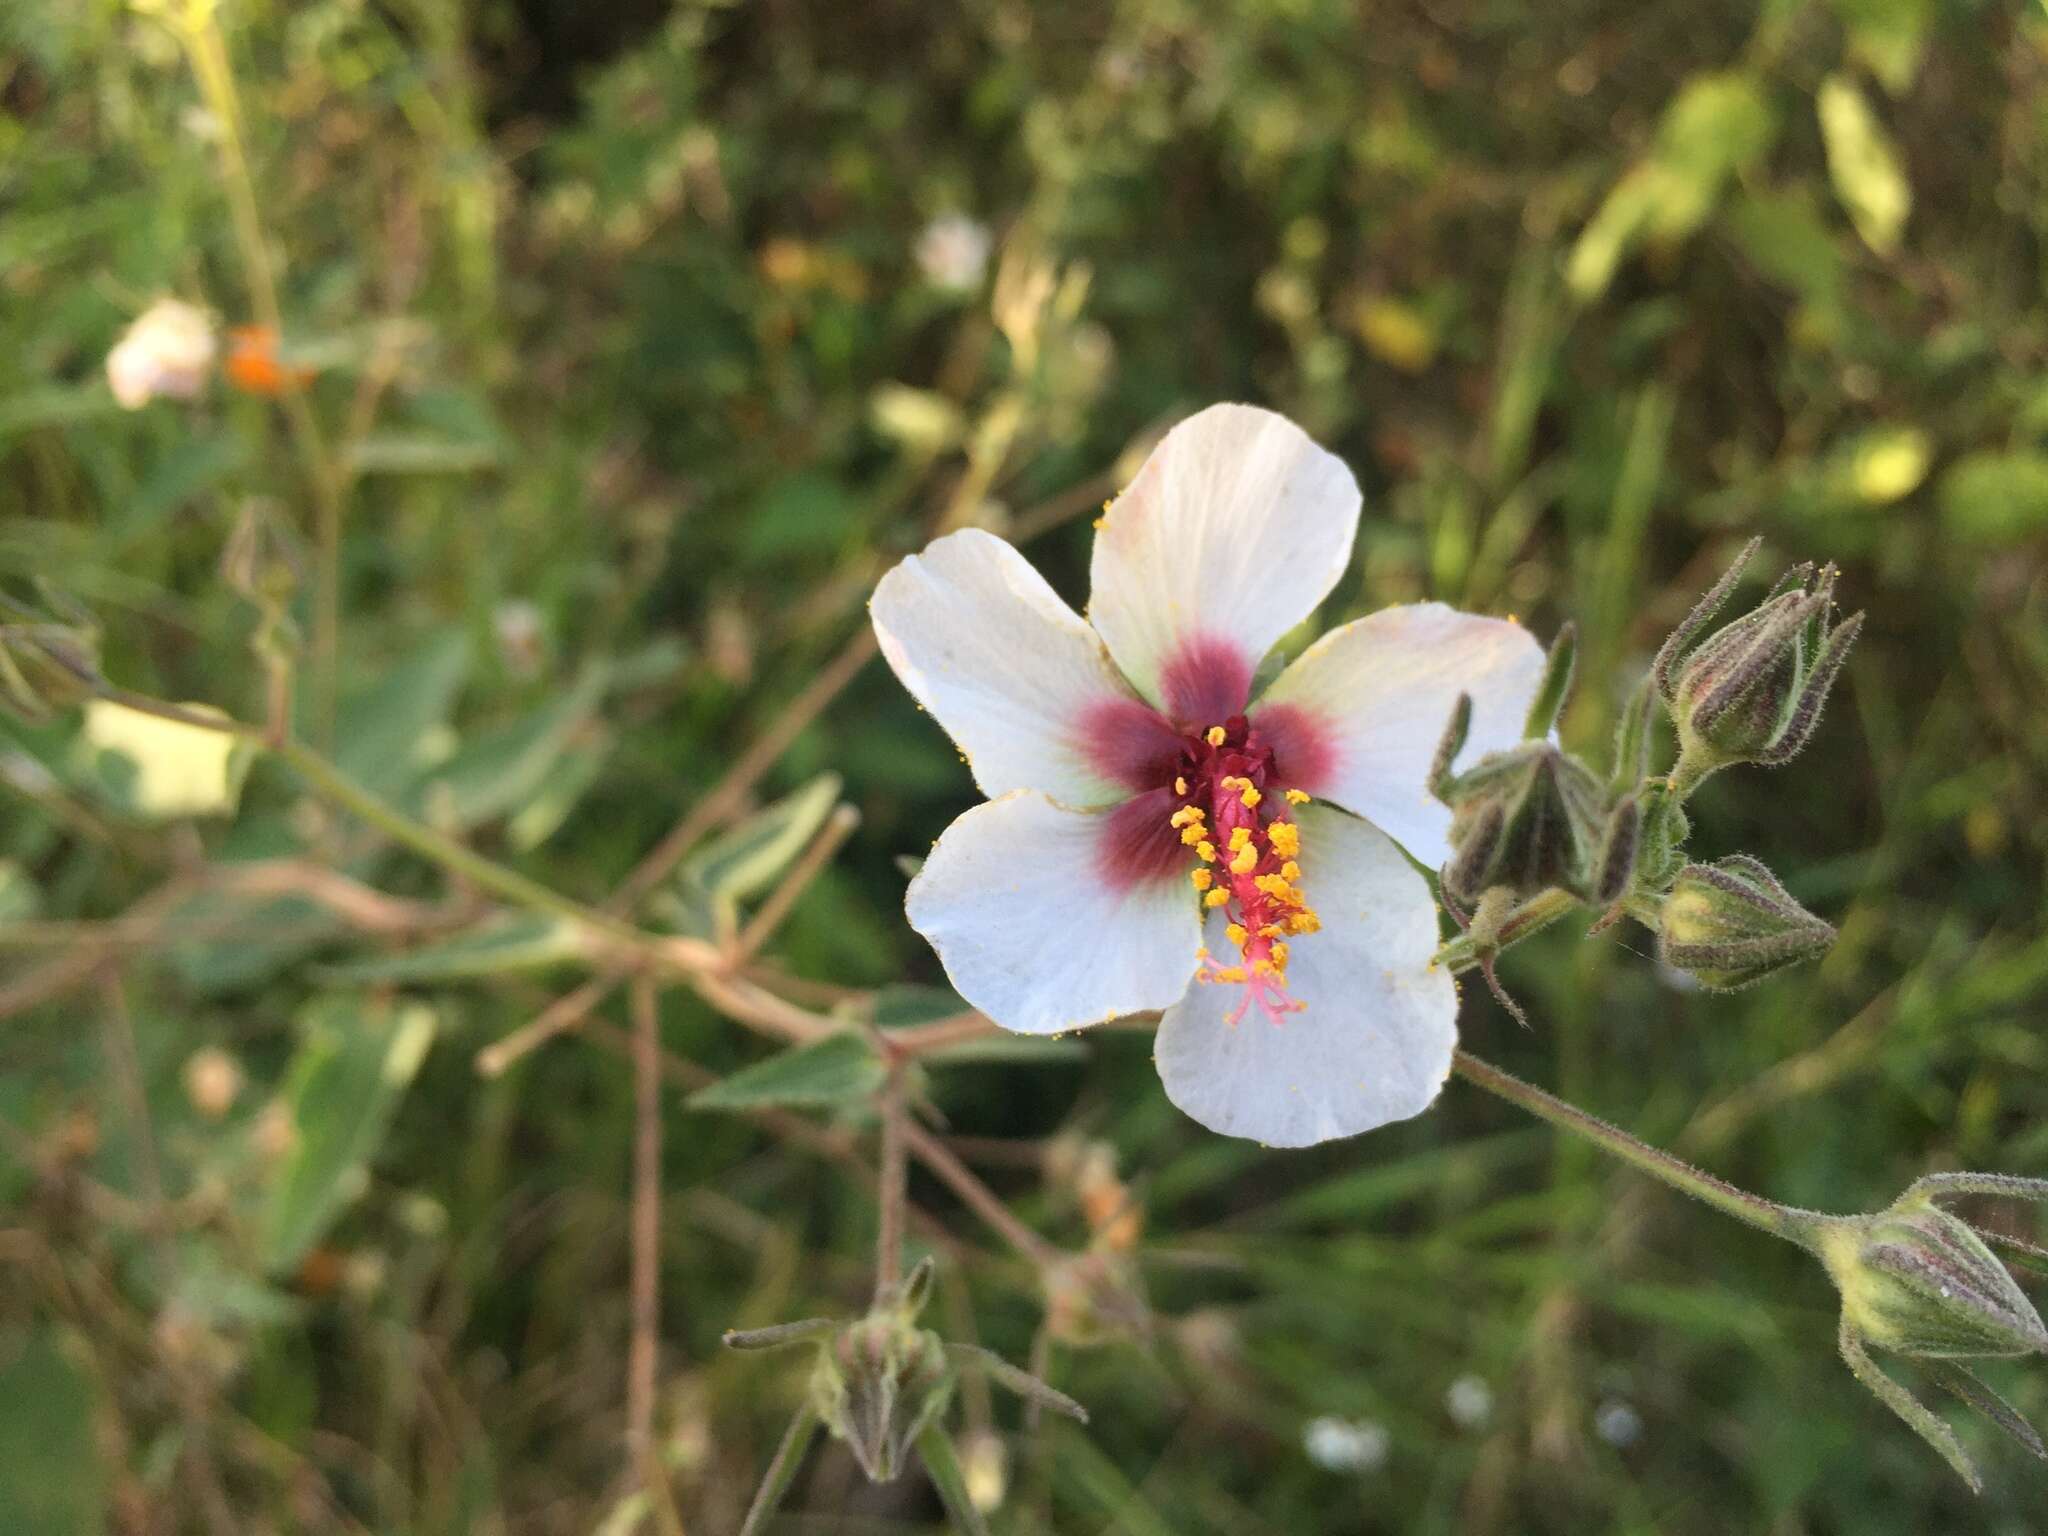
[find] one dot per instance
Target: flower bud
(48, 661)
(1918, 1281)
(1752, 691)
(1730, 924)
(877, 1385)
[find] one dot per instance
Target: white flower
(1339, 1445)
(1149, 824)
(1469, 1402)
(1618, 1424)
(952, 252)
(167, 352)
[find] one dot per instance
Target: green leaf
(422, 453)
(1996, 498)
(1717, 124)
(747, 859)
(1887, 36)
(942, 1465)
(525, 941)
(52, 1480)
(20, 900)
(1864, 166)
(356, 1061)
(501, 770)
(387, 734)
(840, 1069)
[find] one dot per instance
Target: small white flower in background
(952, 252)
(167, 353)
(1469, 1402)
(1149, 841)
(1341, 1445)
(521, 634)
(1618, 1424)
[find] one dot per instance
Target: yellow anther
(1275, 886)
(1230, 781)
(1202, 953)
(1186, 815)
(1180, 786)
(1201, 879)
(1206, 850)
(1296, 797)
(1193, 835)
(1239, 836)
(1270, 931)
(1279, 954)
(1304, 921)
(1290, 871)
(1228, 973)
(1285, 837)
(1216, 898)
(1264, 968)
(1246, 861)
(1251, 797)
(1216, 736)
(1235, 932)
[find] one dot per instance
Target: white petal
(1007, 668)
(1373, 1043)
(1377, 694)
(1037, 933)
(1232, 532)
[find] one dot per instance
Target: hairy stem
(1765, 1215)
(895, 1181)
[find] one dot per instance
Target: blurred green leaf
(20, 900)
(521, 942)
(745, 860)
(356, 1058)
(1863, 164)
(1996, 498)
(501, 770)
(386, 735)
(1717, 124)
(841, 1069)
(52, 1479)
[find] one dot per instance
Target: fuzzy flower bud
(881, 1381)
(1730, 924)
(1919, 1281)
(1752, 691)
(166, 353)
(1532, 818)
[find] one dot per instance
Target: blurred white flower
(953, 252)
(167, 352)
(522, 636)
(213, 1081)
(1469, 1402)
(1147, 814)
(1342, 1445)
(1618, 1424)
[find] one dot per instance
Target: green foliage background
(1586, 292)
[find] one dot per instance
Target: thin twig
(982, 1200)
(201, 1467)
(894, 1177)
(564, 1013)
(726, 796)
(646, 1240)
(770, 914)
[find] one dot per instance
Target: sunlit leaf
(1863, 165)
(163, 769)
(521, 942)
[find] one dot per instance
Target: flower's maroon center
(1231, 809)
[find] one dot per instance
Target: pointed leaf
(942, 1465)
(782, 1471)
(1017, 1380)
(840, 1069)
(524, 941)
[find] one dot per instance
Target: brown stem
(646, 1232)
(894, 1188)
(982, 1200)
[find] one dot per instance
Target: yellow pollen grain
(1264, 968)
(1235, 932)
(1216, 736)
(1246, 861)
(1216, 898)
(1180, 786)
(1290, 871)
(1251, 797)
(1201, 879)
(1206, 850)
(1270, 931)
(1296, 797)
(1304, 921)
(1228, 973)
(1279, 954)
(1239, 836)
